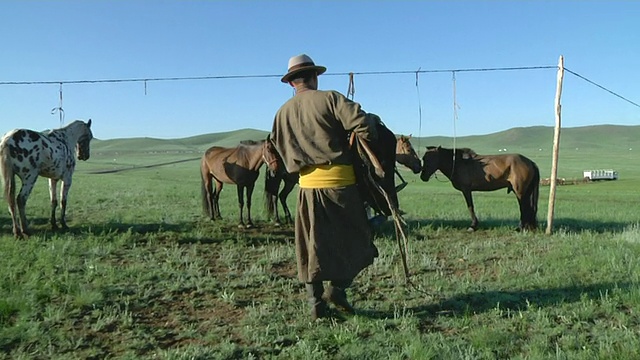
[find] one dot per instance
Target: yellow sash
(327, 176)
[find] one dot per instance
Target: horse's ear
(409, 137)
(89, 123)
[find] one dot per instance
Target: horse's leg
(54, 202)
(64, 193)
(286, 190)
(249, 195)
(240, 190)
(207, 194)
(271, 187)
(527, 211)
(274, 198)
(11, 200)
(474, 219)
(517, 188)
(216, 200)
(524, 213)
(27, 186)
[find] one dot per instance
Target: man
(332, 235)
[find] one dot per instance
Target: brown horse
(240, 166)
(405, 154)
(471, 172)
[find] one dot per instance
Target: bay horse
(469, 172)
(404, 154)
(29, 154)
(240, 166)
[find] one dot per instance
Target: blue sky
(96, 40)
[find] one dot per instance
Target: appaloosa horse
(29, 154)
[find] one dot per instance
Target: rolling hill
(522, 139)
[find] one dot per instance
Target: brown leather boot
(337, 295)
(317, 303)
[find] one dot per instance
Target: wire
(601, 87)
(176, 78)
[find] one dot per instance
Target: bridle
(265, 159)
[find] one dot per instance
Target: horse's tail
(270, 193)
(532, 194)
(6, 169)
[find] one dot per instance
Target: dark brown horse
(471, 172)
(240, 166)
(404, 154)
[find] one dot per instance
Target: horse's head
(83, 151)
(406, 155)
(430, 162)
(270, 155)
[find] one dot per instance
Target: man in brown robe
(332, 234)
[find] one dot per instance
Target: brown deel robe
(333, 237)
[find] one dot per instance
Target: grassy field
(142, 274)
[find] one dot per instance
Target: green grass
(142, 274)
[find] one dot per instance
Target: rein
(399, 222)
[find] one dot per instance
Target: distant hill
(535, 138)
(198, 143)
(521, 139)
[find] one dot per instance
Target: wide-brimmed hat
(301, 63)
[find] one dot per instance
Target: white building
(600, 174)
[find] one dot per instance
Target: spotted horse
(29, 154)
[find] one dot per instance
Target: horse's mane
(251, 142)
(465, 153)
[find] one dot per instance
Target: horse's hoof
(240, 226)
(249, 226)
(277, 224)
(471, 229)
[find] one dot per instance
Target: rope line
(59, 109)
(351, 90)
(455, 119)
(419, 109)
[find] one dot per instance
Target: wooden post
(556, 146)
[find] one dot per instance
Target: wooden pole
(556, 146)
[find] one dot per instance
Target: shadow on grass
(186, 232)
(480, 302)
(559, 224)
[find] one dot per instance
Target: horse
(404, 154)
(29, 154)
(239, 165)
(469, 172)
